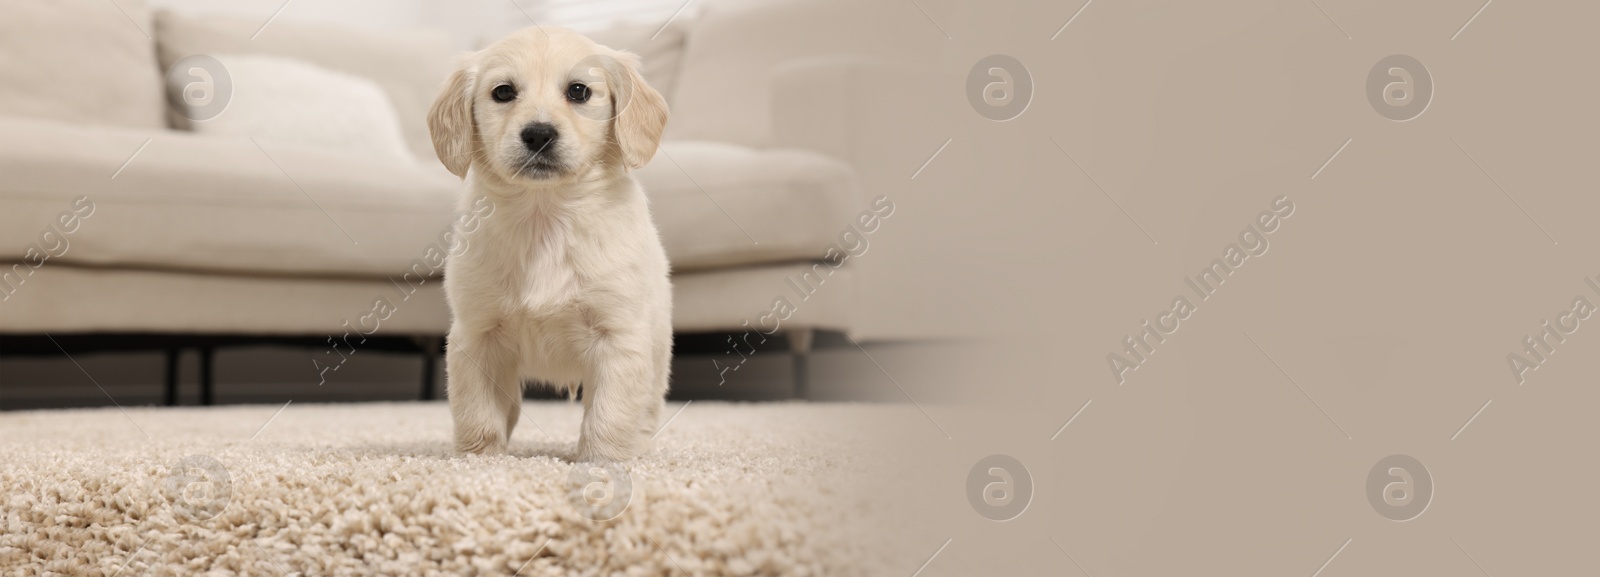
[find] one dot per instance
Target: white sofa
(205, 235)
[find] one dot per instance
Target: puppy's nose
(538, 135)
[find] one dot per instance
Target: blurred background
(258, 205)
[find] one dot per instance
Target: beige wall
(1378, 323)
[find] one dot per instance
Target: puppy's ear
(642, 115)
(450, 120)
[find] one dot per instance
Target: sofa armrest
(887, 121)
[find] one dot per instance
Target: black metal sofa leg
(207, 376)
(173, 355)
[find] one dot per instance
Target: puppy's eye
(578, 92)
(503, 93)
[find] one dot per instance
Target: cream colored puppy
(567, 283)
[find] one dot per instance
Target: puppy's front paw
(480, 445)
(594, 449)
(483, 439)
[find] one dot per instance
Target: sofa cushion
(282, 100)
(660, 49)
(184, 201)
(411, 65)
(87, 61)
(174, 200)
(720, 204)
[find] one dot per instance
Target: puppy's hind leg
(513, 408)
(485, 395)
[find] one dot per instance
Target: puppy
(567, 283)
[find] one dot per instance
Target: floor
(372, 488)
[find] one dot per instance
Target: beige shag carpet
(373, 489)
